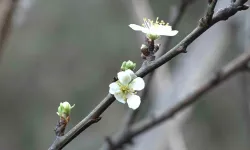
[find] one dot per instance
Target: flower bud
(156, 47)
(64, 110)
(144, 47)
(144, 50)
(128, 65)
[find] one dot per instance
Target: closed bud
(64, 110)
(144, 50)
(128, 65)
(144, 47)
(156, 47)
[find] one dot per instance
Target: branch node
(182, 48)
(216, 78)
(202, 22)
(206, 20)
(95, 120)
(145, 64)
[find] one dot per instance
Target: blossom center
(151, 24)
(154, 27)
(125, 89)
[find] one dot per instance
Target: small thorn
(98, 119)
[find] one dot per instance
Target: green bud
(64, 109)
(123, 67)
(128, 65)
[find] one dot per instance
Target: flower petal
(136, 27)
(131, 73)
(155, 30)
(169, 33)
(124, 77)
(137, 84)
(120, 97)
(146, 31)
(114, 88)
(165, 28)
(139, 28)
(134, 101)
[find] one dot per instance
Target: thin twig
(148, 123)
(146, 68)
(206, 20)
(61, 139)
(176, 17)
(6, 22)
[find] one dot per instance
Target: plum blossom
(125, 88)
(154, 30)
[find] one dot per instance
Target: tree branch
(222, 14)
(175, 16)
(235, 66)
(147, 67)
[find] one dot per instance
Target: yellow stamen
(149, 23)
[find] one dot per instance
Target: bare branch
(147, 67)
(176, 15)
(148, 123)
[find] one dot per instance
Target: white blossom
(125, 88)
(154, 30)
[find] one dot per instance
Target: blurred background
(69, 50)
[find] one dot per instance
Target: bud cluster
(128, 65)
(149, 49)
